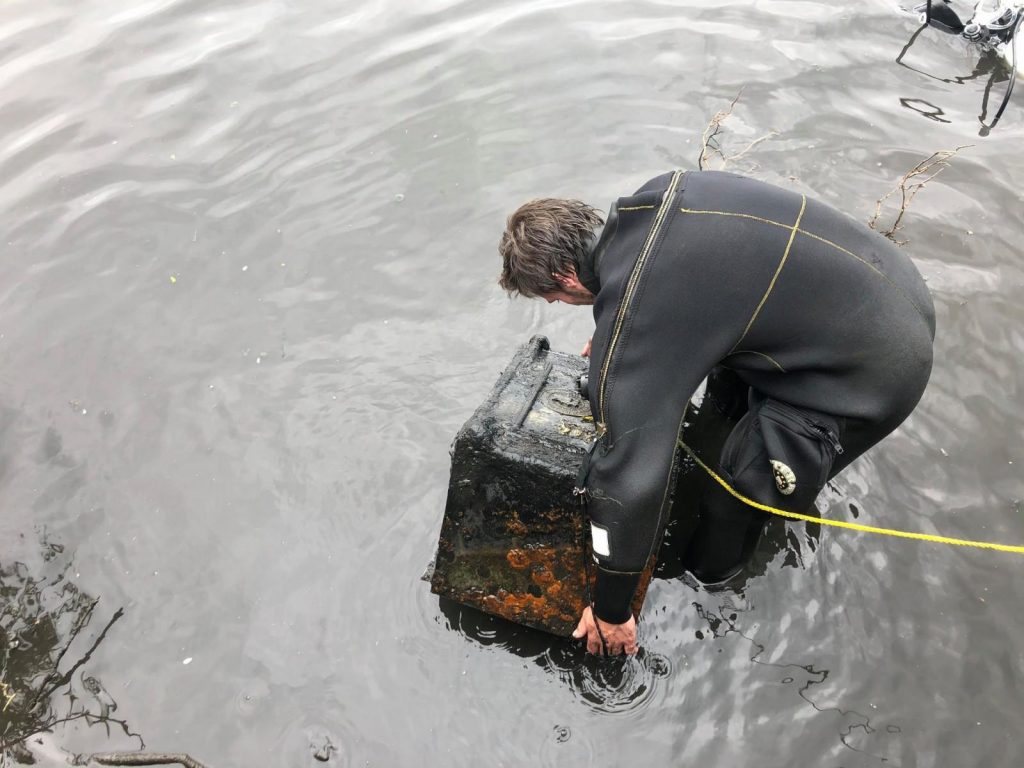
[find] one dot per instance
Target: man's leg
(777, 455)
(726, 535)
(726, 530)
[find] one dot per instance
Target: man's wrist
(613, 595)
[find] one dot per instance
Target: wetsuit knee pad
(780, 455)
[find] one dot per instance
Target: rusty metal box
(512, 541)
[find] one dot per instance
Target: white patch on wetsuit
(599, 537)
(785, 478)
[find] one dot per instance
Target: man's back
(807, 305)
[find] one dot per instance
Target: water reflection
(288, 506)
(44, 649)
(990, 66)
(855, 729)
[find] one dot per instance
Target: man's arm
(628, 475)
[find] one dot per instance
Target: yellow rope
(845, 524)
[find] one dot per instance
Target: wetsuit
(825, 321)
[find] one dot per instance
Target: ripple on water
(609, 685)
(251, 696)
(567, 746)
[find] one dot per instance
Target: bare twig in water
(910, 183)
(81, 620)
(710, 144)
(45, 690)
(749, 147)
(142, 758)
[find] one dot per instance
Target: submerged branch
(910, 183)
(49, 725)
(66, 678)
(45, 690)
(142, 758)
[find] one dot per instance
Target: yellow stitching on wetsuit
(636, 208)
(867, 264)
(739, 215)
(634, 278)
(820, 239)
(775, 277)
(845, 524)
(769, 358)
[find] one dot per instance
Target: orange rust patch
(555, 597)
(538, 585)
(542, 576)
(518, 559)
(517, 607)
(516, 526)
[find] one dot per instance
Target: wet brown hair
(543, 238)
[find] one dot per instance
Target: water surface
(248, 295)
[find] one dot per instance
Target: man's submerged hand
(618, 638)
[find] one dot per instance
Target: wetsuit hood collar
(590, 260)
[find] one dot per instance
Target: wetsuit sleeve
(667, 345)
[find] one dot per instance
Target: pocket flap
(786, 460)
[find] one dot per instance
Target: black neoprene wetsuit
(826, 321)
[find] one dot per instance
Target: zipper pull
(835, 441)
(829, 435)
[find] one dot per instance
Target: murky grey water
(247, 296)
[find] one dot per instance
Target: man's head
(541, 247)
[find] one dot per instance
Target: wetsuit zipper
(816, 427)
(829, 435)
(634, 279)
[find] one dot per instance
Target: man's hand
(618, 638)
(586, 347)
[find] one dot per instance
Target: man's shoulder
(657, 184)
(661, 182)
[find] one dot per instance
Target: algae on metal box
(513, 540)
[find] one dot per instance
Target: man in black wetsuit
(826, 325)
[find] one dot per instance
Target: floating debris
(323, 752)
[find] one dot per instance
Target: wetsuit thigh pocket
(743, 447)
(783, 457)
